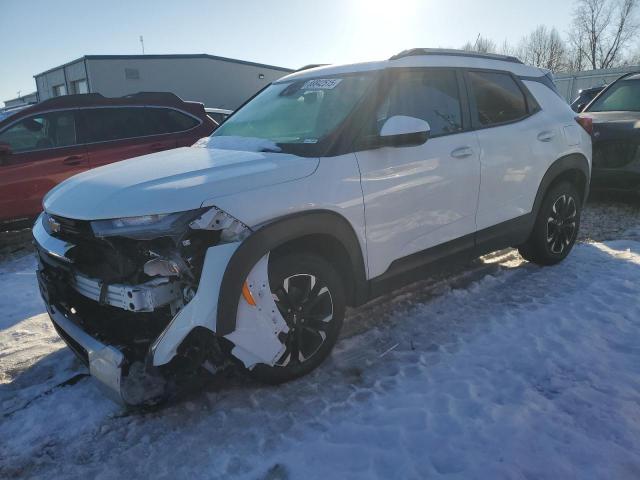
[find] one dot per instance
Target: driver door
(418, 197)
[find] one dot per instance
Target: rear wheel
(556, 228)
(310, 297)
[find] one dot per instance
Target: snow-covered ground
(502, 370)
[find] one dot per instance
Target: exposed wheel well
(331, 250)
(574, 176)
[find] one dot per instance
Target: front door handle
(546, 136)
(462, 152)
(73, 160)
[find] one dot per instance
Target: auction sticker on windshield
(321, 83)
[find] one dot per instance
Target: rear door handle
(462, 152)
(546, 136)
(74, 160)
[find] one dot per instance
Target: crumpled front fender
(257, 327)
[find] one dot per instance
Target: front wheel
(556, 227)
(310, 297)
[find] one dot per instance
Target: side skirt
(455, 253)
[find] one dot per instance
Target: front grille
(70, 229)
(80, 352)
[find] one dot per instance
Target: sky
(37, 35)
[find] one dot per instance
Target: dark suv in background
(44, 144)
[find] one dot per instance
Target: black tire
(308, 289)
(556, 227)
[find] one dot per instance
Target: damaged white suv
(331, 186)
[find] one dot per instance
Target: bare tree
(602, 29)
(543, 48)
(482, 45)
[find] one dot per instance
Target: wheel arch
(322, 232)
(574, 168)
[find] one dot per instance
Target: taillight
(585, 122)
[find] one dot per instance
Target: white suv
(331, 186)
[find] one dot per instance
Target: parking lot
(531, 372)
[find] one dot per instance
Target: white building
(215, 81)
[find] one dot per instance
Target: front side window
(40, 132)
(292, 113)
(430, 95)
(498, 98)
(621, 96)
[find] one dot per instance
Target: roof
(176, 56)
(164, 99)
(425, 57)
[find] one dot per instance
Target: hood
(171, 181)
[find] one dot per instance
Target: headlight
(146, 227)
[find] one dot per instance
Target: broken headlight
(146, 227)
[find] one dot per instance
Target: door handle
(462, 152)
(73, 160)
(546, 136)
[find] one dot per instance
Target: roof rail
(81, 99)
(455, 53)
(311, 65)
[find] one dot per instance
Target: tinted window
(49, 130)
(165, 120)
(104, 124)
(621, 96)
(497, 96)
(429, 95)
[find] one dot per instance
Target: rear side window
(498, 98)
(430, 95)
(107, 124)
(166, 120)
(40, 132)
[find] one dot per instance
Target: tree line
(603, 34)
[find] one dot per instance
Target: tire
(308, 291)
(556, 226)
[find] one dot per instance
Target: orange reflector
(246, 293)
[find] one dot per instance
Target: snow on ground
(502, 370)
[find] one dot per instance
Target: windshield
(621, 96)
(292, 113)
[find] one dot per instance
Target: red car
(44, 144)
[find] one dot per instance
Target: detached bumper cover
(105, 362)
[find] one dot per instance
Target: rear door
(118, 133)
(417, 197)
(45, 151)
(516, 145)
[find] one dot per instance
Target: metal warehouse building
(215, 81)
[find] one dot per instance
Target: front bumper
(105, 362)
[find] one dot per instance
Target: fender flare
(573, 161)
(273, 235)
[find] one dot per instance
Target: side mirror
(5, 152)
(401, 131)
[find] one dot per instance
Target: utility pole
(142, 43)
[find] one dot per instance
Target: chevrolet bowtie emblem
(53, 225)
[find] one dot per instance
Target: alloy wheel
(561, 224)
(306, 305)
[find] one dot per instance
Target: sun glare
(380, 26)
